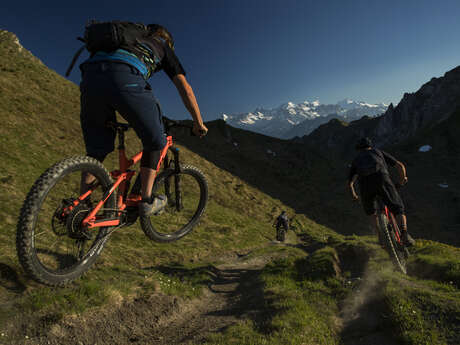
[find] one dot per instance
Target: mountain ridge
(290, 120)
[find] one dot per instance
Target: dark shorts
(380, 185)
(107, 87)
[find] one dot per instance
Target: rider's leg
(373, 220)
(147, 179)
(392, 198)
(95, 111)
(138, 106)
(86, 180)
(402, 220)
(407, 239)
(149, 162)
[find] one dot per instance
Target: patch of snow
(443, 185)
(224, 117)
(425, 148)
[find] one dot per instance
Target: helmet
(160, 32)
(363, 143)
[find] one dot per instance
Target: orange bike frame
(122, 176)
(391, 218)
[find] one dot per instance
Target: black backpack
(110, 36)
(370, 162)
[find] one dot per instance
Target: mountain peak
(280, 122)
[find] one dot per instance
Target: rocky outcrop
(434, 102)
(9, 43)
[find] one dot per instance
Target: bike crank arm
(104, 222)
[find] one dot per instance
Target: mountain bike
(62, 230)
(390, 236)
(280, 234)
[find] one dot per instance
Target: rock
(434, 102)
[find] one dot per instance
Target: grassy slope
(42, 127)
(39, 112)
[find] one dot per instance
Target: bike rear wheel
(187, 193)
(52, 246)
(280, 234)
(398, 253)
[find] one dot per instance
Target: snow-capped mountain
(290, 119)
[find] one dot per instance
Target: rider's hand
(199, 129)
(355, 196)
(404, 180)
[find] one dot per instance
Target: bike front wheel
(52, 245)
(398, 253)
(187, 193)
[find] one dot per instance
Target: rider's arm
(402, 171)
(351, 185)
(391, 161)
(189, 100)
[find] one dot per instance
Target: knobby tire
(168, 176)
(27, 222)
(390, 244)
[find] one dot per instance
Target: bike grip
(192, 133)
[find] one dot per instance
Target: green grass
(295, 310)
(436, 261)
(300, 293)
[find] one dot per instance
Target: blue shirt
(122, 56)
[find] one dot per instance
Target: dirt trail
(160, 319)
(235, 293)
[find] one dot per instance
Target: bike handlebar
(168, 124)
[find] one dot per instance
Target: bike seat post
(123, 161)
(121, 138)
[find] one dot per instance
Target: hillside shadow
(312, 180)
(9, 279)
(241, 287)
(295, 176)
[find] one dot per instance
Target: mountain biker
(370, 168)
(281, 221)
(116, 81)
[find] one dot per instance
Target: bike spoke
(40, 233)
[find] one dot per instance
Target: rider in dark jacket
(281, 221)
(370, 169)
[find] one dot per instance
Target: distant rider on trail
(281, 221)
(371, 170)
(115, 80)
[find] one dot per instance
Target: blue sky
(242, 54)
